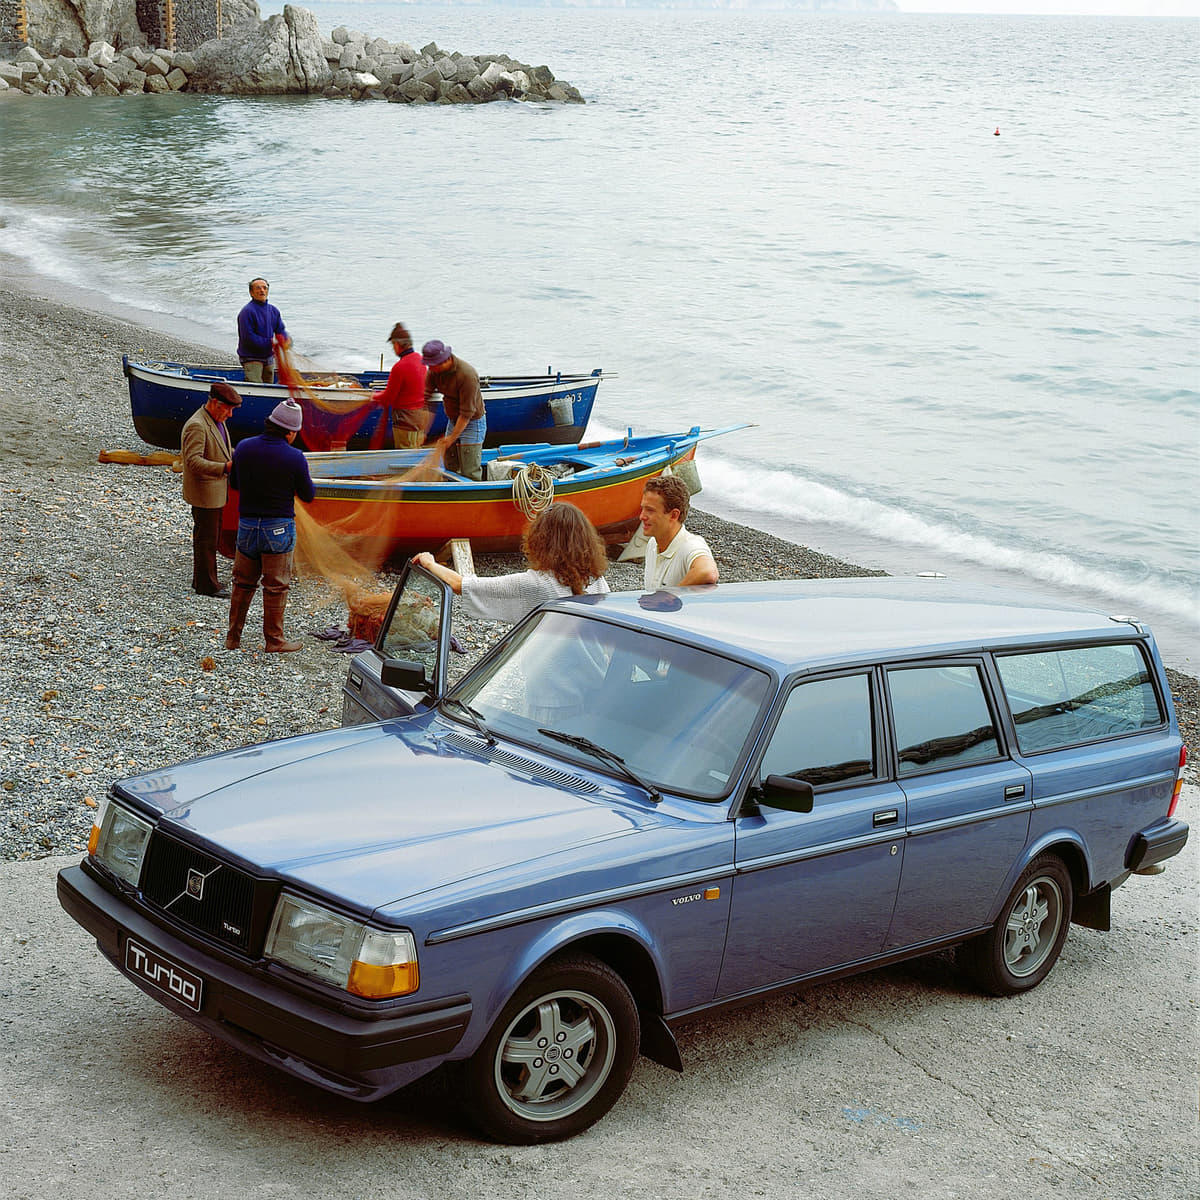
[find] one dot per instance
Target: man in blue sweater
(259, 324)
(269, 474)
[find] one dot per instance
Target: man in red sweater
(405, 392)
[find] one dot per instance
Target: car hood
(374, 814)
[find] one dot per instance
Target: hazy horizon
(1044, 8)
(1048, 8)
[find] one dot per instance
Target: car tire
(582, 1015)
(1016, 954)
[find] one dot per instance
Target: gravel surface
(112, 664)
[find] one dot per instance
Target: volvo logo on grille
(195, 884)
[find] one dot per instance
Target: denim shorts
(257, 536)
(474, 432)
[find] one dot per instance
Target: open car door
(406, 668)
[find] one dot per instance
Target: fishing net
(348, 559)
(342, 409)
(348, 565)
(347, 554)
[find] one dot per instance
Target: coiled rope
(533, 489)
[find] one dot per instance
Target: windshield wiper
(473, 717)
(590, 747)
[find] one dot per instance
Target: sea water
(947, 266)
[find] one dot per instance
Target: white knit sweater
(510, 597)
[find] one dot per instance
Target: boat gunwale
(471, 491)
(159, 370)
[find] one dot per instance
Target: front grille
(527, 766)
(205, 894)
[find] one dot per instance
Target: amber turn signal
(381, 983)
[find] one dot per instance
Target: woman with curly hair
(566, 557)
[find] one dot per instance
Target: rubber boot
(274, 604)
(239, 604)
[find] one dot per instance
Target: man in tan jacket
(207, 460)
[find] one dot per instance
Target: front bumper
(358, 1051)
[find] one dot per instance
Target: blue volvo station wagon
(638, 808)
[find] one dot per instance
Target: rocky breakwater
(103, 71)
(286, 54)
(365, 68)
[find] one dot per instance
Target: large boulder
(102, 53)
(15, 74)
(58, 25)
(237, 12)
(279, 55)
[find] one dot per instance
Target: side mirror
(405, 675)
(787, 793)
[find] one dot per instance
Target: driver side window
(825, 734)
(414, 622)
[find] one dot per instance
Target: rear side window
(1065, 697)
(942, 718)
(825, 733)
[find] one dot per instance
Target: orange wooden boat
(365, 496)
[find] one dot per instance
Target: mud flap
(1094, 911)
(658, 1042)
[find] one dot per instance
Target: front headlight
(118, 842)
(370, 962)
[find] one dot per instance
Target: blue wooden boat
(553, 407)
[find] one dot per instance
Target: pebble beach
(111, 664)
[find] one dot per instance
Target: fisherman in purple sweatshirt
(270, 474)
(259, 324)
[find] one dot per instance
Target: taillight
(1178, 781)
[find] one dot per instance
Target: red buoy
(997, 133)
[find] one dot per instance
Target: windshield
(679, 716)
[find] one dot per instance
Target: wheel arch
(635, 965)
(1075, 859)
(630, 959)
(1064, 844)
(622, 944)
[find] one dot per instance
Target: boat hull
(383, 518)
(552, 408)
(425, 516)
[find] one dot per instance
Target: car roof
(793, 624)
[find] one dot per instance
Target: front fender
(560, 937)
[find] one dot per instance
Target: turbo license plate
(178, 982)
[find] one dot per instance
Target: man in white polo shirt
(674, 557)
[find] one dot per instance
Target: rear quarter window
(1083, 694)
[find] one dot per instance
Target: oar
(131, 458)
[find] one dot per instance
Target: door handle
(1014, 791)
(888, 816)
